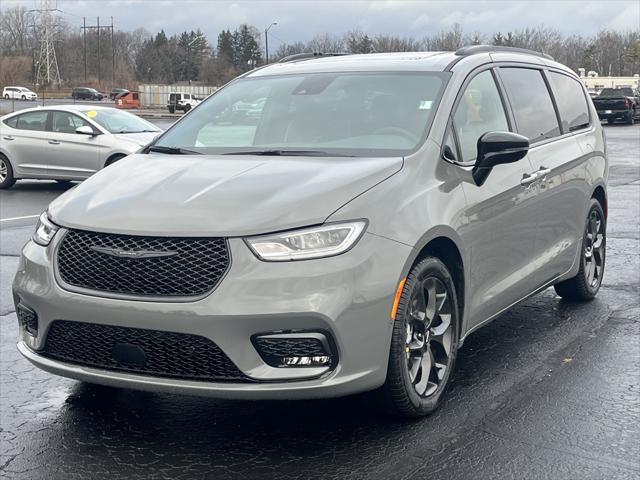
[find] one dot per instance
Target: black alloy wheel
(585, 285)
(424, 341)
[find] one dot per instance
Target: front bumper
(349, 296)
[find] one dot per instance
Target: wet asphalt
(549, 390)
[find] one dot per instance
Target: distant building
(595, 83)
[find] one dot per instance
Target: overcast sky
(302, 19)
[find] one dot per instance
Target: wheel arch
(114, 157)
(444, 244)
(600, 194)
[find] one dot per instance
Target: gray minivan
(346, 236)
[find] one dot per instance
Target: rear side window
(11, 122)
(480, 111)
(572, 104)
(533, 109)
(32, 121)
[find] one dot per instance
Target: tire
(6, 97)
(629, 119)
(64, 183)
(187, 107)
(610, 121)
(585, 285)
(23, 98)
(172, 109)
(407, 392)
(114, 159)
(6, 173)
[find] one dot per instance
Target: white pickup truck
(181, 101)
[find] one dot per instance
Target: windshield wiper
(171, 150)
(289, 153)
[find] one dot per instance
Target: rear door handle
(543, 172)
(54, 142)
(8, 137)
(528, 179)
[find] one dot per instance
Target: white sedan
(69, 142)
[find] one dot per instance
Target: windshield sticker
(425, 105)
(92, 113)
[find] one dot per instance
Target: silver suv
(345, 236)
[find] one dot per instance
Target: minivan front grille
(136, 350)
(142, 266)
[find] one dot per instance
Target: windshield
(117, 121)
(616, 92)
(355, 114)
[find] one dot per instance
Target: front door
(70, 154)
(500, 238)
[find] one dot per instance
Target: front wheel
(585, 285)
(187, 107)
(6, 173)
(23, 97)
(424, 342)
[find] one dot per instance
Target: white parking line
(18, 218)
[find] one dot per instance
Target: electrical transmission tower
(47, 71)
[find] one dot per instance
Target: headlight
(315, 242)
(45, 230)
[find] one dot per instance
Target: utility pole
(47, 67)
(99, 57)
(84, 41)
(98, 28)
(266, 41)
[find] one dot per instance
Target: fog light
(295, 349)
(318, 361)
(28, 319)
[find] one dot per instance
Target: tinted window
(616, 92)
(65, 122)
(32, 121)
(572, 104)
(480, 111)
(533, 108)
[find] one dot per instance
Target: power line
(47, 68)
(98, 28)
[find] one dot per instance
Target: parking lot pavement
(548, 390)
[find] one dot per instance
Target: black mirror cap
(495, 148)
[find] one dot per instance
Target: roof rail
(308, 56)
(473, 49)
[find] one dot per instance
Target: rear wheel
(424, 342)
(629, 118)
(6, 96)
(6, 173)
(24, 97)
(172, 109)
(585, 285)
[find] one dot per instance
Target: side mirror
(85, 130)
(495, 148)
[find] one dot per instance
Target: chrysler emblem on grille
(114, 252)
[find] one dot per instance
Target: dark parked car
(83, 93)
(116, 92)
(618, 104)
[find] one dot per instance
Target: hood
(140, 139)
(198, 195)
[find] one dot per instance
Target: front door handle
(54, 142)
(543, 172)
(528, 179)
(8, 137)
